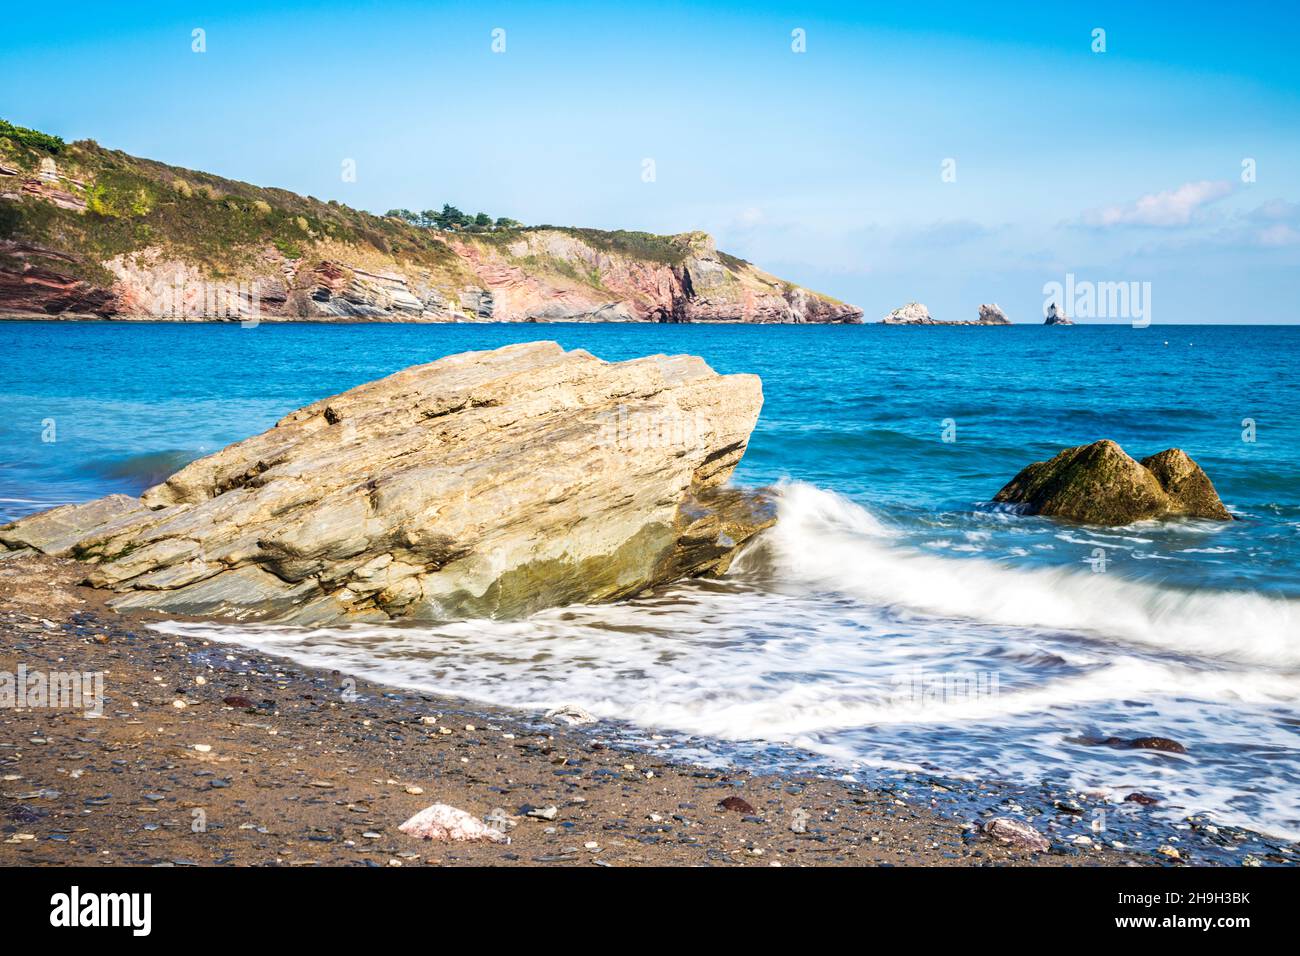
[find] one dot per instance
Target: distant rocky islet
(915, 313)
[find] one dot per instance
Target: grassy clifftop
(132, 203)
(77, 218)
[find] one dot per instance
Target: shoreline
(294, 773)
(386, 320)
(308, 320)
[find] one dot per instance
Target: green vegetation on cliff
(451, 219)
(87, 228)
(30, 137)
(132, 203)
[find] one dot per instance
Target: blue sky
(825, 167)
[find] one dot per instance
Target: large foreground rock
(1100, 484)
(483, 484)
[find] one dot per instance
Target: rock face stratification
(1100, 484)
(101, 233)
(483, 484)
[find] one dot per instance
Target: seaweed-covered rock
(1100, 484)
(1189, 488)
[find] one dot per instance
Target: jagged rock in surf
(1100, 484)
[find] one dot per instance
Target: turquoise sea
(894, 619)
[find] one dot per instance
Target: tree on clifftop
(449, 218)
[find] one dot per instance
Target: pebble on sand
(1017, 833)
(1145, 799)
(736, 804)
(570, 714)
(445, 823)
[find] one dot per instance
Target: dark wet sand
(297, 775)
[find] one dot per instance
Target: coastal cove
(894, 622)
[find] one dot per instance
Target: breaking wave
(835, 636)
(823, 540)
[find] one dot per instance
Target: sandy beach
(268, 764)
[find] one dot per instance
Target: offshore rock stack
(914, 313)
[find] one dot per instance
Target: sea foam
(824, 540)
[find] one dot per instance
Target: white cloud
(1280, 234)
(1280, 221)
(1174, 207)
(1276, 210)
